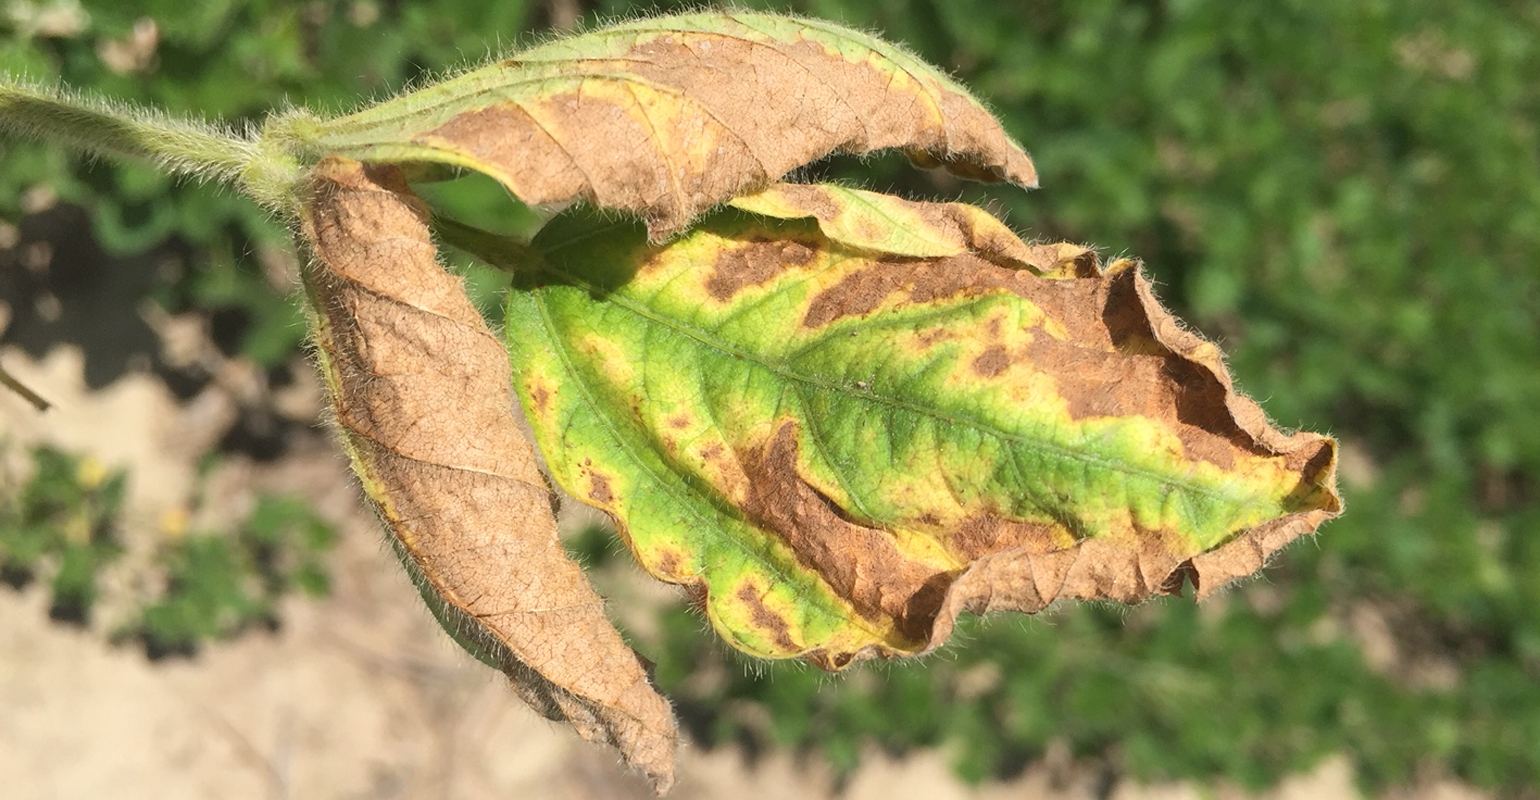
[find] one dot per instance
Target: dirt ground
(359, 695)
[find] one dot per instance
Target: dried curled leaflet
(419, 391)
(669, 116)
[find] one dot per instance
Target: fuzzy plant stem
(265, 171)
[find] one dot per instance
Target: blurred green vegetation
(64, 522)
(217, 585)
(65, 514)
(1344, 194)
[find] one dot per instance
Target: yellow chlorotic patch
(620, 368)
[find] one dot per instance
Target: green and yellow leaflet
(838, 447)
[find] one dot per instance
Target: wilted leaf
(870, 221)
(669, 116)
(838, 449)
(420, 392)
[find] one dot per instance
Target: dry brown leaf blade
(669, 116)
(420, 394)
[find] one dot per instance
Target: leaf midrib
(1052, 449)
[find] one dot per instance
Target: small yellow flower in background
(173, 523)
(91, 473)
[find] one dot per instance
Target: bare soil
(358, 695)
